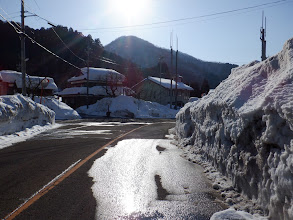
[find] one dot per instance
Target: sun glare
(131, 10)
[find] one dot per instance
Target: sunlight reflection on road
(143, 179)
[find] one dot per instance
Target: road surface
(46, 177)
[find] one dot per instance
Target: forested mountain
(147, 55)
(42, 63)
(125, 52)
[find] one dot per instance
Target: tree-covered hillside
(42, 63)
(147, 55)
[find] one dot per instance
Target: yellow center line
(33, 199)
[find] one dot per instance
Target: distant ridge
(147, 55)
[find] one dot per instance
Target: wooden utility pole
(161, 78)
(176, 79)
(22, 52)
(87, 76)
(171, 70)
(262, 38)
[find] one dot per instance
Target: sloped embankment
(245, 129)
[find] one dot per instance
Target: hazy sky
(228, 37)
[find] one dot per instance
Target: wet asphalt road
(27, 166)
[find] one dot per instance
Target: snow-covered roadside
(18, 113)
(129, 107)
(62, 110)
(21, 118)
(244, 128)
(8, 140)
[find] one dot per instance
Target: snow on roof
(167, 83)
(11, 76)
(95, 90)
(98, 74)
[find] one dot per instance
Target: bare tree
(113, 83)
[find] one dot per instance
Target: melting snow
(127, 178)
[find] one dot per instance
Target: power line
(37, 4)
(103, 59)
(67, 46)
(18, 30)
(35, 42)
(192, 18)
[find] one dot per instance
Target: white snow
(98, 74)
(127, 106)
(193, 99)
(95, 90)
(244, 128)
(8, 140)
(232, 214)
(167, 83)
(62, 110)
(11, 76)
(18, 113)
(21, 118)
(125, 186)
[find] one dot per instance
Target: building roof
(98, 74)
(11, 76)
(166, 83)
(95, 90)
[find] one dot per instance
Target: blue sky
(231, 37)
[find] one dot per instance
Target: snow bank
(126, 106)
(232, 214)
(62, 110)
(245, 129)
(18, 113)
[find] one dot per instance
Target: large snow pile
(62, 110)
(245, 129)
(18, 113)
(127, 106)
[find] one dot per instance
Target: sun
(130, 10)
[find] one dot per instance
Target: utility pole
(161, 78)
(176, 90)
(262, 38)
(87, 76)
(22, 52)
(171, 76)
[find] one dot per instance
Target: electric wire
(66, 45)
(35, 42)
(103, 59)
(192, 18)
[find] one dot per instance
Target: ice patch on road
(126, 183)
